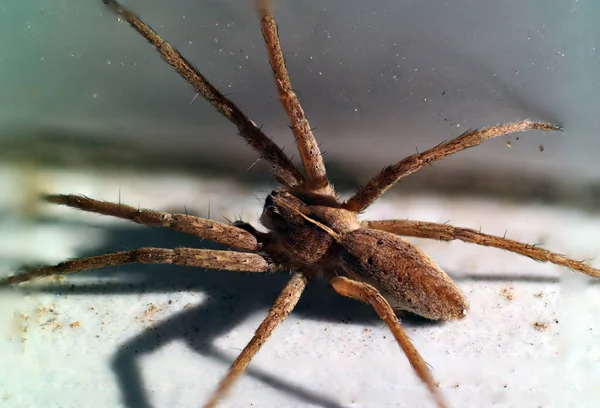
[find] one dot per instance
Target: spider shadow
(229, 299)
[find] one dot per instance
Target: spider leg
(285, 171)
(445, 232)
(189, 224)
(368, 294)
(203, 258)
(307, 144)
(392, 174)
(284, 304)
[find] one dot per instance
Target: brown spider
(311, 232)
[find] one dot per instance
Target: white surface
(331, 352)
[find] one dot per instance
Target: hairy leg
(189, 224)
(392, 174)
(368, 294)
(203, 258)
(445, 232)
(284, 304)
(287, 174)
(307, 145)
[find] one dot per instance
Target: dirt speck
(57, 278)
(20, 326)
(507, 293)
(150, 313)
(53, 324)
(46, 310)
(48, 315)
(541, 326)
(75, 324)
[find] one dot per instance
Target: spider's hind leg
(446, 232)
(202, 258)
(366, 293)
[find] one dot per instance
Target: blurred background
(378, 80)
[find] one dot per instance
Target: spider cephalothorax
(310, 232)
(287, 215)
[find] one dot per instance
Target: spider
(311, 232)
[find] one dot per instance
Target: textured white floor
(158, 336)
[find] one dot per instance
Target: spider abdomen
(407, 277)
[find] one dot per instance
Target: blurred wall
(378, 80)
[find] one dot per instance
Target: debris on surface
(53, 324)
(507, 293)
(541, 326)
(58, 278)
(50, 315)
(20, 326)
(44, 310)
(149, 313)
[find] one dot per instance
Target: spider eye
(269, 201)
(270, 207)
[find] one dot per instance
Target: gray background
(378, 80)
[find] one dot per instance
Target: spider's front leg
(310, 152)
(446, 232)
(390, 175)
(285, 171)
